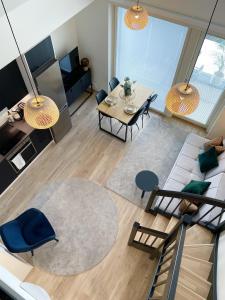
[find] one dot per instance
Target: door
(150, 56)
(209, 78)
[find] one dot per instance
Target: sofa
(186, 168)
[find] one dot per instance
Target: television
(40, 54)
(12, 86)
(70, 62)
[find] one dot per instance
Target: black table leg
(142, 195)
(126, 133)
(99, 120)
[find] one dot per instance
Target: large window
(209, 77)
(150, 56)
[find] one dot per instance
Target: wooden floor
(86, 152)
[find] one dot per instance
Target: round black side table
(146, 181)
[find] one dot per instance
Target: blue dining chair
(27, 232)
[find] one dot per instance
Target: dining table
(118, 109)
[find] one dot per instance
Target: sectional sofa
(186, 168)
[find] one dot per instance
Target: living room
(114, 172)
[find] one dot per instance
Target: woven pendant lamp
(41, 112)
(183, 98)
(136, 17)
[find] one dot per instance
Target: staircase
(184, 254)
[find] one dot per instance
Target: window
(209, 77)
(150, 56)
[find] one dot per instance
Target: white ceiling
(10, 5)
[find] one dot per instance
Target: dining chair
(133, 121)
(113, 83)
(149, 102)
(100, 96)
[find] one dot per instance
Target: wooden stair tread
(172, 223)
(198, 234)
(160, 224)
(146, 220)
(184, 293)
(198, 266)
(202, 251)
(194, 282)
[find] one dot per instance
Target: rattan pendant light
(40, 112)
(183, 98)
(136, 17)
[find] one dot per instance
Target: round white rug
(84, 218)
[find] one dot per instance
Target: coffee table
(146, 181)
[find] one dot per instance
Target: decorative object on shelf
(85, 63)
(136, 17)
(18, 114)
(40, 112)
(183, 98)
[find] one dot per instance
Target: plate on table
(130, 109)
(110, 100)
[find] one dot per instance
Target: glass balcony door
(209, 78)
(150, 56)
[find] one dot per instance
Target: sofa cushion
(208, 160)
(183, 176)
(191, 165)
(217, 170)
(216, 190)
(196, 140)
(171, 185)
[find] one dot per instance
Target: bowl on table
(110, 100)
(130, 109)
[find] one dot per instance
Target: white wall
(92, 29)
(64, 38)
(218, 127)
(32, 21)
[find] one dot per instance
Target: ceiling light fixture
(136, 17)
(183, 98)
(40, 112)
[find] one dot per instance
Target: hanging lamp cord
(18, 48)
(138, 4)
(206, 32)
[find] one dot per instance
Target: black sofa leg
(32, 252)
(56, 240)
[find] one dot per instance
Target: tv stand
(76, 83)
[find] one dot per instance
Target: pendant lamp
(136, 17)
(40, 112)
(183, 98)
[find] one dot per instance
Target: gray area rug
(155, 148)
(84, 218)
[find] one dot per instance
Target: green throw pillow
(196, 187)
(208, 160)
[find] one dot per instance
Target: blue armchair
(27, 232)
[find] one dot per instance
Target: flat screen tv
(70, 62)
(12, 86)
(40, 54)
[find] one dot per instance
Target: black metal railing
(209, 210)
(167, 271)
